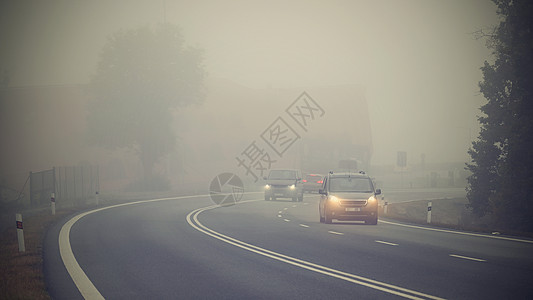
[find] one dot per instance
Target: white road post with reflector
(20, 233)
(53, 203)
(429, 211)
(385, 206)
(97, 200)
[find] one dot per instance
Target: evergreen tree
(501, 184)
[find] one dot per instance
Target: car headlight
(372, 200)
(267, 187)
(334, 199)
(292, 187)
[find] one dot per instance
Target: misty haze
(185, 149)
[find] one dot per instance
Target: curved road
(185, 247)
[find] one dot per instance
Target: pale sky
(417, 59)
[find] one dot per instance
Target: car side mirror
(378, 192)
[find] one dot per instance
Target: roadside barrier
(20, 233)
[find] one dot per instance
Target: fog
(416, 60)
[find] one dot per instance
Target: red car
(312, 182)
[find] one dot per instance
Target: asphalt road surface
(187, 248)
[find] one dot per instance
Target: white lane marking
(386, 243)
(468, 258)
(285, 208)
(82, 282)
(294, 205)
(286, 220)
(279, 216)
(280, 212)
(460, 232)
(303, 225)
(337, 233)
(84, 285)
(192, 219)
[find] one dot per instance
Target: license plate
(353, 209)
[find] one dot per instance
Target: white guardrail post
(53, 203)
(20, 233)
(429, 212)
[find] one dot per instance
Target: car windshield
(282, 174)
(350, 184)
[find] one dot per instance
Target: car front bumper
(347, 213)
(281, 192)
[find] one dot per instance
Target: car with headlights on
(348, 197)
(284, 183)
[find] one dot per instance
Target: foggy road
(187, 248)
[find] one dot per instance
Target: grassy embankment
(447, 213)
(21, 273)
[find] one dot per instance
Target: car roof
(348, 174)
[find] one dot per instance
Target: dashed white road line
(279, 216)
(286, 220)
(303, 225)
(192, 219)
(386, 243)
(335, 232)
(467, 258)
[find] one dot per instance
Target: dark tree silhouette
(501, 184)
(143, 74)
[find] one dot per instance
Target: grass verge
(21, 273)
(450, 213)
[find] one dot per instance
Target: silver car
(284, 183)
(348, 196)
